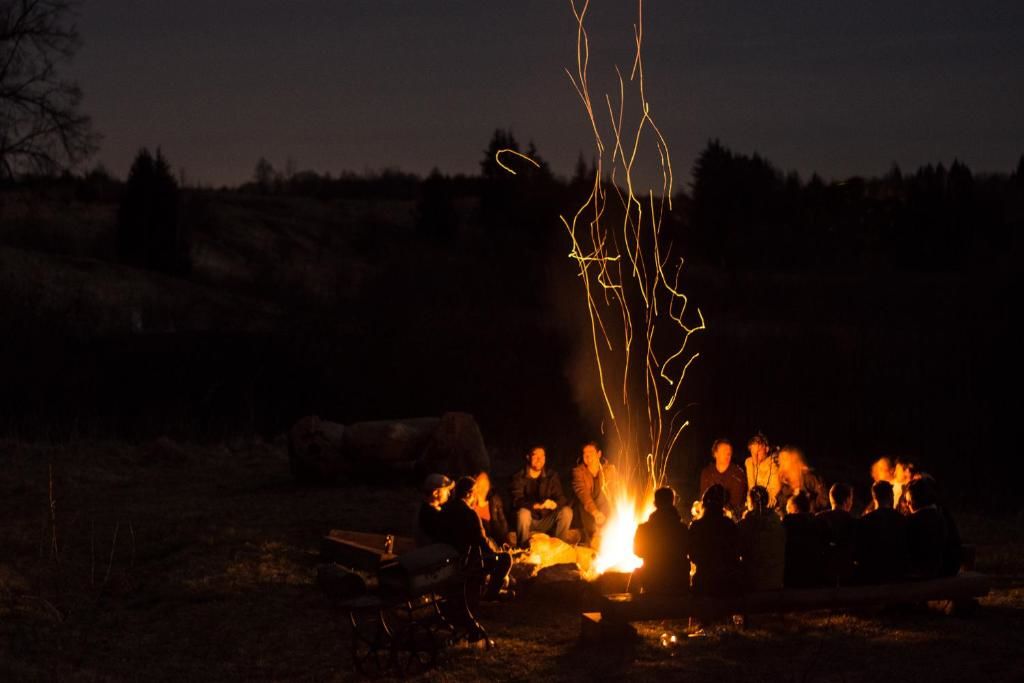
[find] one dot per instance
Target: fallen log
(618, 609)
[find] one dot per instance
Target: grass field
(177, 561)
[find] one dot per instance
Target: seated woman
(762, 544)
(662, 543)
(714, 547)
(489, 507)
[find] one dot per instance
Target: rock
(456, 448)
(384, 447)
(315, 450)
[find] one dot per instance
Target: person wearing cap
(436, 490)
(762, 468)
(462, 529)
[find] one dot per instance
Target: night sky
(836, 87)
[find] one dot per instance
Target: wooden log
(315, 450)
(626, 607)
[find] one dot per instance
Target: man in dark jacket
(462, 529)
(662, 543)
(538, 500)
(880, 547)
(806, 541)
(841, 528)
(714, 547)
(723, 471)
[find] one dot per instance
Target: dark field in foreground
(186, 562)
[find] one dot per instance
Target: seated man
(762, 541)
(841, 528)
(762, 468)
(538, 500)
(462, 529)
(880, 545)
(661, 542)
(490, 508)
(926, 531)
(591, 479)
(723, 471)
(436, 490)
(714, 547)
(882, 469)
(805, 543)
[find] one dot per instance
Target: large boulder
(384, 447)
(456, 448)
(315, 450)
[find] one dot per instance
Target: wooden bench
(612, 622)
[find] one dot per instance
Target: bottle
(389, 544)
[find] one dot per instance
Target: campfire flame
(615, 549)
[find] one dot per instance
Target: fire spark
(639, 323)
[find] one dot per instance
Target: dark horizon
(829, 88)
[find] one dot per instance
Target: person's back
(662, 543)
(926, 530)
(841, 530)
(926, 539)
(805, 543)
(762, 544)
(461, 528)
(881, 546)
(714, 548)
(952, 551)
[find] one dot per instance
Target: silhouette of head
(757, 499)
(800, 502)
(881, 493)
(713, 499)
(841, 496)
(921, 493)
(464, 488)
(664, 498)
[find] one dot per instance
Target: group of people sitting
(468, 515)
(768, 525)
(773, 526)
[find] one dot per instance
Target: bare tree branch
(42, 129)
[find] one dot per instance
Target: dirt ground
(171, 561)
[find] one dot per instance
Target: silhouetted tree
(436, 217)
(264, 176)
(41, 127)
(148, 230)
